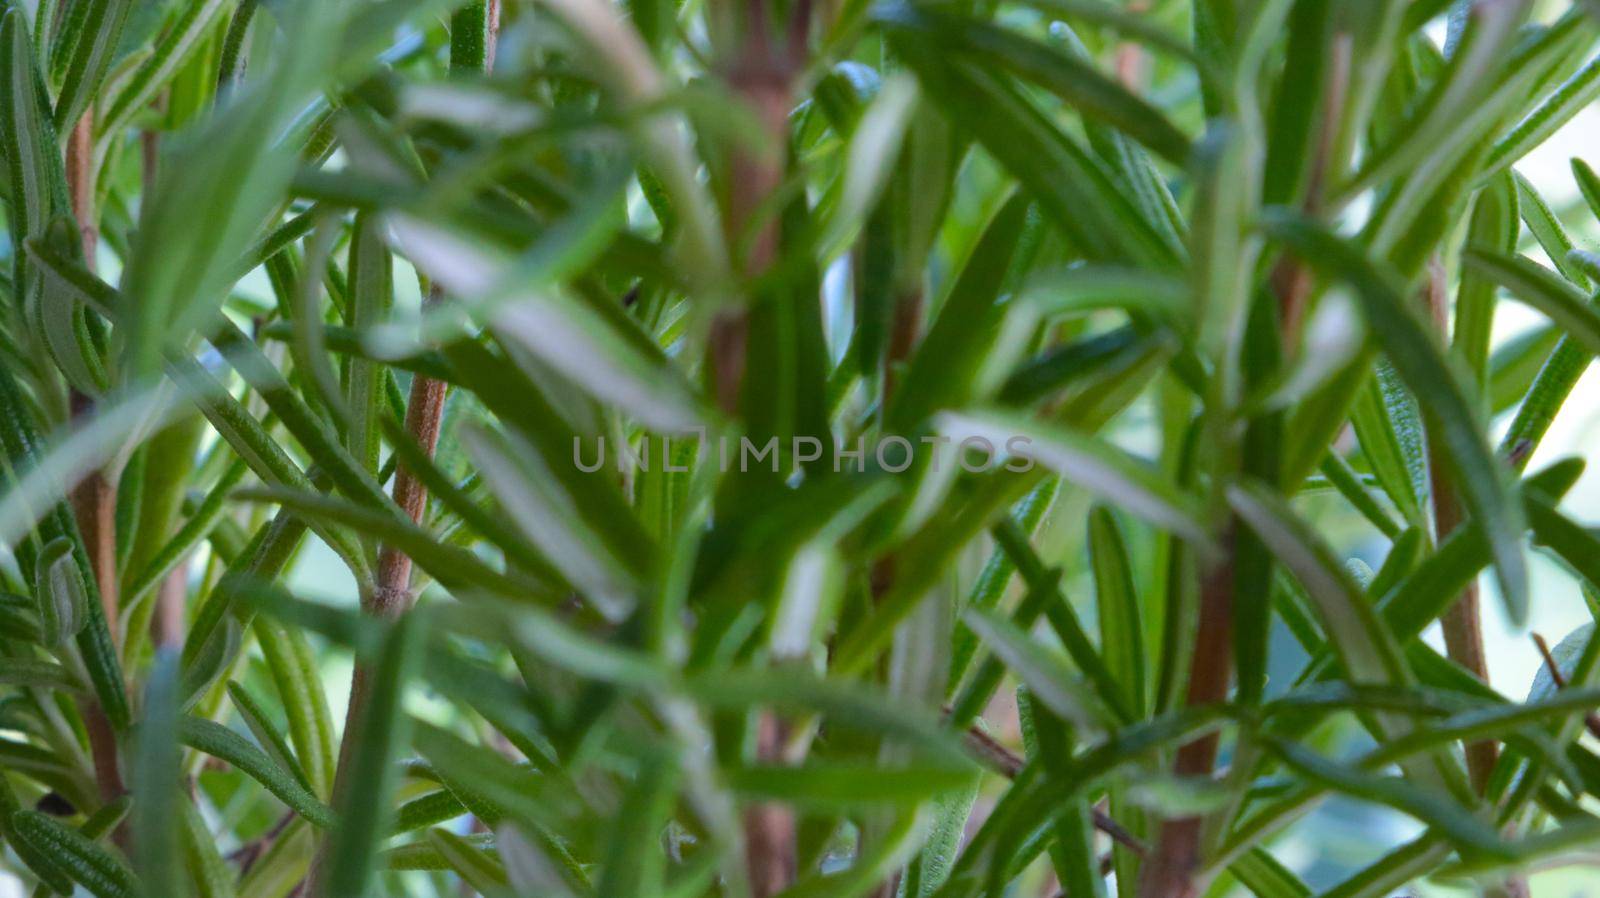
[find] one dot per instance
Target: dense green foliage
(318, 315)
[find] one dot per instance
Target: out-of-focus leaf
(211, 875)
(975, 337)
(1093, 465)
(1045, 673)
(1364, 643)
(1442, 115)
(1067, 76)
(216, 191)
(595, 347)
(1482, 480)
(453, 566)
(1438, 812)
(1121, 633)
(634, 861)
(1072, 187)
(156, 778)
(1267, 877)
(825, 786)
(1541, 288)
(475, 867)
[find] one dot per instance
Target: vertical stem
(94, 499)
(473, 31)
(390, 596)
(1169, 872)
(763, 77)
(1462, 622)
(904, 330)
(769, 827)
(424, 416)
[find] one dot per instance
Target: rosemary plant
(751, 448)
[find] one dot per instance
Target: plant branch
(390, 595)
(94, 499)
(762, 76)
(1462, 622)
(1169, 872)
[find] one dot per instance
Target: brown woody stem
(390, 594)
(762, 76)
(1462, 622)
(1169, 872)
(94, 499)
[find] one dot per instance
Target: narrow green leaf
(157, 780)
(991, 585)
(216, 191)
(1348, 482)
(1544, 120)
(1493, 225)
(261, 726)
(36, 673)
(211, 875)
(1445, 816)
(1121, 630)
(1071, 186)
(192, 26)
(1386, 423)
(296, 677)
(551, 518)
(475, 867)
(35, 179)
(220, 742)
(1267, 877)
(453, 566)
(371, 294)
(22, 447)
(379, 735)
(99, 32)
(39, 860)
(1067, 76)
(89, 864)
(1089, 288)
(634, 861)
(60, 594)
(1441, 118)
(1541, 288)
(425, 810)
(595, 346)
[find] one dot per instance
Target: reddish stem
(1170, 871)
(1462, 622)
(94, 499)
